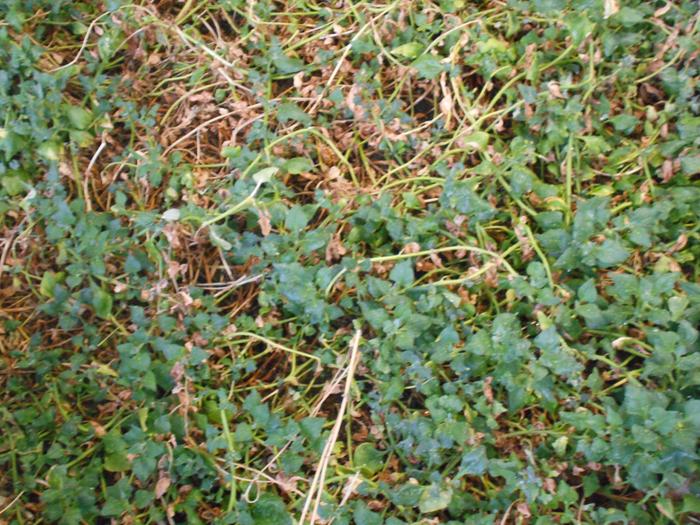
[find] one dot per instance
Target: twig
(14, 500)
(86, 194)
(319, 480)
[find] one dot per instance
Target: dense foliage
(202, 202)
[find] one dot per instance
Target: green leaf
(363, 516)
(611, 253)
(311, 427)
(79, 117)
(13, 185)
(690, 165)
(428, 66)
(230, 152)
(579, 26)
(298, 165)
(410, 50)
(82, 139)
(296, 219)
(102, 302)
(217, 240)
(289, 111)
(402, 274)
(285, 63)
(49, 282)
(690, 504)
(477, 140)
(270, 509)
(629, 16)
(107, 44)
(587, 292)
(368, 458)
(560, 444)
(117, 462)
(624, 123)
(50, 150)
(265, 175)
(435, 498)
(474, 462)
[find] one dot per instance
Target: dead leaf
(411, 247)
(667, 170)
(357, 110)
(299, 80)
(436, 260)
(335, 249)
(554, 89)
(162, 485)
(264, 222)
(488, 391)
(523, 509)
(679, 244)
(525, 245)
(610, 8)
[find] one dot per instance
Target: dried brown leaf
(610, 8)
(162, 485)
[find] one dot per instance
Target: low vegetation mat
(349, 263)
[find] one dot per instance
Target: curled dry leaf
(554, 89)
(411, 247)
(523, 509)
(264, 222)
(488, 390)
(350, 100)
(162, 485)
(679, 244)
(610, 7)
(667, 170)
(335, 249)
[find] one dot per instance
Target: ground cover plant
(349, 262)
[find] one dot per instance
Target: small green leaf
(402, 274)
(230, 152)
(474, 462)
(624, 123)
(579, 26)
(284, 63)
(298, 165)
(690, 165)
(410, 50)
(289, 111)
(434, 498)
(49, 282)
(81, 138)
(217, 240)
(629, 16)
(611, 253)
(107, 45)
(102, 302)
(477, 140)
(117, 462)
(363, 516)
(270, 509)
(79, 117)
(428, 66)
(296, 219)
(368, 458)
(50, 150)
(265, 175)
(311, 427)
(560, 444)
